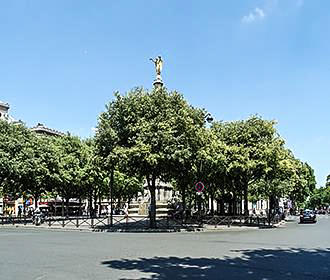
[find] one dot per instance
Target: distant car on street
(307, 216)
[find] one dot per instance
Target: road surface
(291, 252)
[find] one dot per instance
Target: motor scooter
(38, 218)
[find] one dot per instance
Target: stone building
(41, 129)
(4, 113)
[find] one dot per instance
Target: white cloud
(257, 14)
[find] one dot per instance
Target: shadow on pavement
(263, 264)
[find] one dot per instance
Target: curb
(141, 230)
(47, 228)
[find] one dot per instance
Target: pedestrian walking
(126, 211)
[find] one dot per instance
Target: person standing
(19, 211)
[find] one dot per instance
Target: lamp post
(111, 196)
(199, 205)
(208, 117)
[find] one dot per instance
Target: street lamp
(111, 195)
(208, 118)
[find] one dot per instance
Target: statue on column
(158, 64)
(158, 67)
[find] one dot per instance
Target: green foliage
(319, 198)
(36, 165)
(148, 136)
(327, 184)
(125, 186)
(71, 161)
(13, 139)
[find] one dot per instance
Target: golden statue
(158, 64)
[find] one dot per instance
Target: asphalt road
(291, 252)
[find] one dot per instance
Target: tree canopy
(144, 137)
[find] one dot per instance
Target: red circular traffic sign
(199, 187)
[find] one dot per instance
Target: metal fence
(239, 221)
(140, 221)
(118, 221)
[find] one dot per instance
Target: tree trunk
(222, 207)
(79, 211)
(54, 213)
(67, 207)
(62, 207)
(212, 203)
(100, 204)
(118, 205)
(240, 204)
(24, 205)
(270, 208)
(230, 207)
(234, 205)
(111, 195)
(90, 204)
(36, 197)
(95, 203)
(183, 188)
(199, 206)
(246, 202)
(152, 210)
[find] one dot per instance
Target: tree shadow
(263, 264)
(135, 225)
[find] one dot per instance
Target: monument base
(158, 82)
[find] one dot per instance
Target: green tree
(249, 143)
(327, 184)
(143, 130)
(211, 165)
(302, 182)
(36, 165)
(190, 137)
(126, 187)
(320, 198)
(71, 162)
(13, 139)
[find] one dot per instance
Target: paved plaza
(291, 252)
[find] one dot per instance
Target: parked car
(307, 216)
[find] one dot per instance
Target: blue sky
(61, 61)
